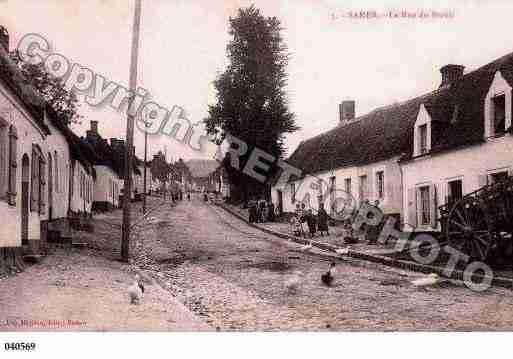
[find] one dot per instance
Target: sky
(374, 62)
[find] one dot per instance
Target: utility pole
(125, 236)
(144, 171)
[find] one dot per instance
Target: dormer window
(499, 114)
(422, 133)
(497, 107)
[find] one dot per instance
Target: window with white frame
(497, 177)
(380, 184)
(347, 186)
(424, 206)
(497, 107)
(293, 192)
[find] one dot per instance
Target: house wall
(472, 164)
(13, 112)
(82, 201)
(57, 147)
(105, 176)
(390, 204)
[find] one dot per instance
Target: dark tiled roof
(458, 120)
(105, 155)
(78, 151)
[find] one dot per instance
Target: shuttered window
(412, 208)
(13, 164)
(4, 168)
(380, 184)
(34, 182)
(56, 160)
(363, 188)
(42, 185)
(37, 183)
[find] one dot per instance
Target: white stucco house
(69, 179)
(462, 140)
(23, 162)
(108, 171)
(415, 155)
(37, 156)
(356, 161)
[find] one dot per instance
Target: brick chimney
(450, 74)
(94, 127)
(346, 111)
(4, 38)
(92, 134)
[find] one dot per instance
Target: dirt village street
(207, 270)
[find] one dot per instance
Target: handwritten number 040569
(20, 346)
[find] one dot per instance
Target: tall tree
(251, 103)
(64, 102)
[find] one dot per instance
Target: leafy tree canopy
(64, 102)
(250, 93)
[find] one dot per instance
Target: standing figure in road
(296, 226)
(312, 223)
(322, 220)
(188, 196)
(252, 208)
(300, 214)
(271, 215)
(259, 210)
(265, 211)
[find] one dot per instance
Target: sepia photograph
(247, 178)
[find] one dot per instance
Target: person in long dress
(322, 220)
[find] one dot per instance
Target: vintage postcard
(254, 166)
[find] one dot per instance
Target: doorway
(25, 181)
(280, 202)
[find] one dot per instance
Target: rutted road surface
(233, 276)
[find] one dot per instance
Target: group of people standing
(261, 211)
(315, 223)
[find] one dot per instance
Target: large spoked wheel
(468, 229)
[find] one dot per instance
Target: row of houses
(206, 176)
(50, 178)
(415, 155)
(194, 175)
